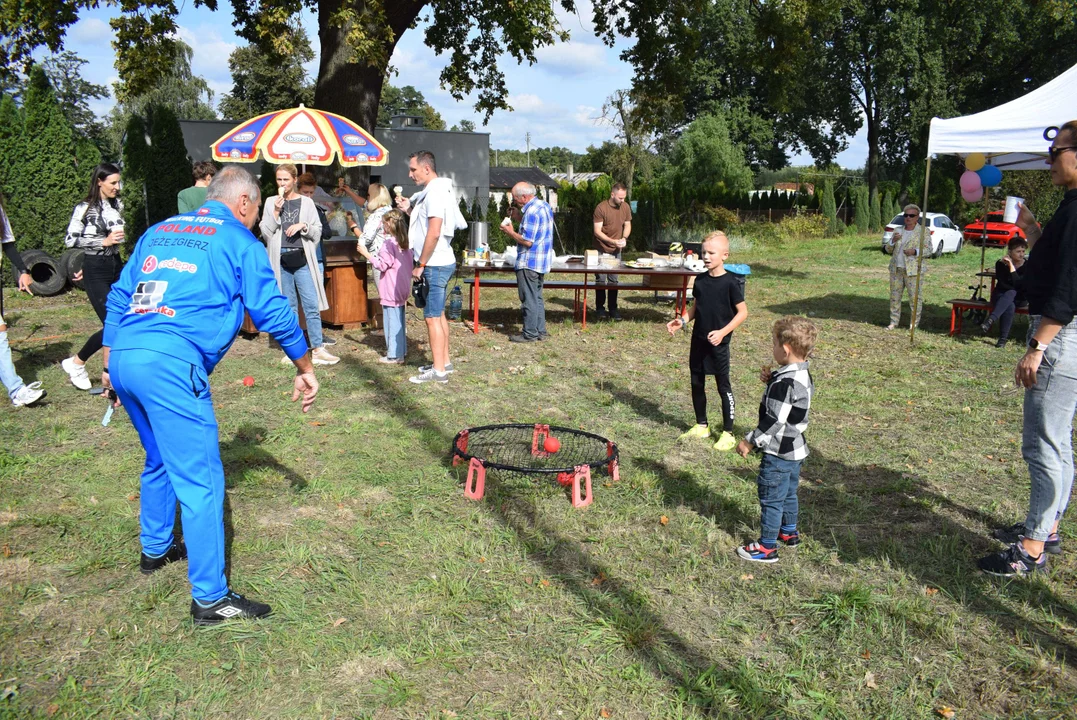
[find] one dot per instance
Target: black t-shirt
(716, 303)
(1049, 276)
(289, 215)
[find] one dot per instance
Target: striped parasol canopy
(300, 135)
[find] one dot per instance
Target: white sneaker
(321, 356)
(286, 360)
(77, 374)
(430, 375)
(391, 361)
(427, 368)
(28, 394)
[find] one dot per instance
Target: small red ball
(551, 445)
(565, 478)
(248, 381)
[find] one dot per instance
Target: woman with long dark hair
(97, 227)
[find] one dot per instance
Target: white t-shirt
(436, 200)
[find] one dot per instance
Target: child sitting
(394, 262)
(783, 418)
(718, 309)
(1005, 296)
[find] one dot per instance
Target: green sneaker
(702, 432)
(726, 442)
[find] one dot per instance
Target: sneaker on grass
(1013, 562)
(430, 375)
(321, 356)
(702, 432)
(449, 370)
(726, 442)
(232, 606)
(28, 394)
(76, 374)
(1015, 532)
(391, 361)
(148, 565)
(791, 539)
(757, 553)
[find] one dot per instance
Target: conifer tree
(10, 137)
(48, 182)
(875, 222)
(171, 166)
(137, 163)
(861, 213)
(830, 210)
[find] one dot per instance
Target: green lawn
(395, 597)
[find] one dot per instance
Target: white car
(944, 236)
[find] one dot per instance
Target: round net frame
(522, 449)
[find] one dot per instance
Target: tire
(71, 263)
(938, 251)
(45, 270)
(960, 242)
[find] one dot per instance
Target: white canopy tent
(1010, 136)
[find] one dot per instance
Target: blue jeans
(396, 342)
(778, 480)
(169, 403)
(300, 279)
(532, 307)
(11, 380)
(437, 280)
(1046, 443)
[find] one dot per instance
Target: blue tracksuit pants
(169, 403)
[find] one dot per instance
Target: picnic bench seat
(958, 306)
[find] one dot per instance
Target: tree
(464, 126)
(137, 165)
(630, 123)
(830, 210)
(46, 184)
(410, 101)
(875, 224)
(74, 94)
(263, 81)
(10, 141)
(705, 159)
(171, 166)
(861, 212)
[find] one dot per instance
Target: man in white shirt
(434, 218)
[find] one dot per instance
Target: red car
(999, 233)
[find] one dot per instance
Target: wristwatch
(1035, 344)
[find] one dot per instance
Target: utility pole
(527, 137)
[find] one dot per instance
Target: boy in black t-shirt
(718, 310)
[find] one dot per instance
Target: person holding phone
(904, 245)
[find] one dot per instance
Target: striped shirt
(536, 226)
(783, 413)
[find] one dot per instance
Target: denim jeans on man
(301, 281)
(778, 480)
(8, 377)
(532, 306)
(396, 342)
(1046, 442)
(437, 280)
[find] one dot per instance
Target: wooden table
(589, 283)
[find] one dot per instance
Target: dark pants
(532, 307)
(600, 295)
(1003, 312)
(778, 481)
(725, 390)
(98, 274)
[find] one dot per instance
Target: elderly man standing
(533, 258)
(1048, 372)
(172, 316)
(613, 225)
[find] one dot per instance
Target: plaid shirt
(783, 413)
(537, 227)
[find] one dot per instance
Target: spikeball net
(563, 453)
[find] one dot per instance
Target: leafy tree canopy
(409, 101)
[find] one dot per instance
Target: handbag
(419, 291)
(293, 259)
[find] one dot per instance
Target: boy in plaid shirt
(783, 418)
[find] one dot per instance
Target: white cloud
(532, 105)
(580, 24)
(571, 58)
(211, 52)
(91, 31)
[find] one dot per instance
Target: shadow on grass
(613, 602)
(865, 309)
(766, 271)
(244, 452)
(31, 360)
(645, 408)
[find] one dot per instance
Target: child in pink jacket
(394, 261)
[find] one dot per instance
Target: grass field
(395, 597)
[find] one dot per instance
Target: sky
(558, 100)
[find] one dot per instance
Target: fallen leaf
(929, 591)
(945, 712)
(339, 621)
(482, 559)
(605, 713)
(869, 680)
(449, 713)
(133, 497)
(664, 520)
(866, 655)
(316, 423)
(747, 576)
(706, 553)
(93, 500)
(529, 580)
(383, 543)
(966, 409)
(7, 550)
(990, 457)
(599, 579)
(544, 583)
(52, 709)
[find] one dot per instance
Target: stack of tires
(51, 276)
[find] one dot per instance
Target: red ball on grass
(248, 381)
(551, 445)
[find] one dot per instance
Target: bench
(957, 307)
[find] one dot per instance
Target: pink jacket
(395, 265)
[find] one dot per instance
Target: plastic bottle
(456, 303)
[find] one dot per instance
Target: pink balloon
(970, 182)
(974, 196)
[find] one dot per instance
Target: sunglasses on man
(1054, 152)
(912, 215)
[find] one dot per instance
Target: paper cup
(1010, 213)
(506, 221)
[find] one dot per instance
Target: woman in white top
(904, 245)
(292, 231)
(373, 235)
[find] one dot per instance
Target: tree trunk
(353, 89)
(872, 119)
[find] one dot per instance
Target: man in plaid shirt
(533, 258)
(783, 418)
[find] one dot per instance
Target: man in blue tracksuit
(172, 316)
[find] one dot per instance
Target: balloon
(970, 181)
(990, 175)
(973, 196)
(975, 161)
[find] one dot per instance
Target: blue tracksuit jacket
(186, 285)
